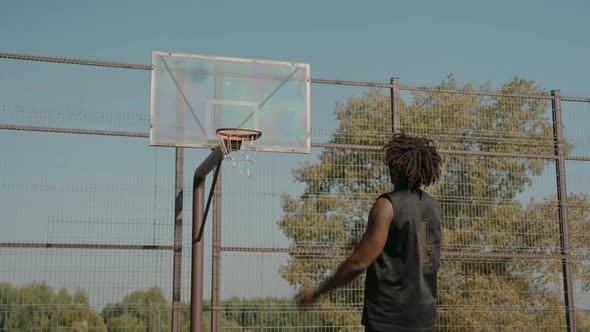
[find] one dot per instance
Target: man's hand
(306, 298)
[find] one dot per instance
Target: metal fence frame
(196, 271)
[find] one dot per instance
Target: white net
(239, 145)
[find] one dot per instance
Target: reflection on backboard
(194, 95)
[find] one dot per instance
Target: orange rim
(238, 134)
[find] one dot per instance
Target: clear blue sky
(422, 41)
(418, 41)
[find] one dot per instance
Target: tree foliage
(133, 313)
(38, 307)
(479, 194)
(143, 310)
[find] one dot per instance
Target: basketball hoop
(239, 145)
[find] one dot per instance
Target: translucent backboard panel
(194, 95)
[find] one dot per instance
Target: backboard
(194, 95)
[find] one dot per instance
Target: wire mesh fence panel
(484, 213)
(255, 295)
(75, 316)
(581, 271)
(578, 217)
(575, 116)
(87, 209)
(61, 288)
(578, 207)
(298, 210)
(85, 220)
(73, 97)
(511, 294)
(496, 122)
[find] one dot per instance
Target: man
(400, 249)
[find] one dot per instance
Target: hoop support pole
(198, 220)
(217, 168)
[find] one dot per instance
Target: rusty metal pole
(568, 284)
(395, 105)
(199, 217)
(197, 258)
(177, 263)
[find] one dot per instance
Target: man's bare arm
(365, 252)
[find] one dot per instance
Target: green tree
(38, 307)
(143, 310)
(478, 193)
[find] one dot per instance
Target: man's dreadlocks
(413, 161)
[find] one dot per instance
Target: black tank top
(400, 285)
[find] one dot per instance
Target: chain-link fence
(95, 226)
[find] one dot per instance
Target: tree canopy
(38, 307)
(491, 144)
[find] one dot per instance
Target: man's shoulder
(428, 196)
(431, 200)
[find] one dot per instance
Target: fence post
(395, 105)
(568, 290)
(216, 253)
(178, 207)
(177, 264)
